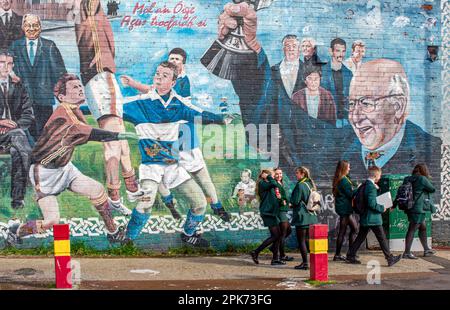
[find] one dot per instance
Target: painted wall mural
(130, 119)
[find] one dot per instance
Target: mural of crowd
(316, 102)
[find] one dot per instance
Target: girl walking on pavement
(422, 190)
(285, 226)
(302, 218)
(343, 191)
(269, 212)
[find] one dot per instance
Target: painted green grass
(225, 173)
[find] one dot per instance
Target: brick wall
(400, 32)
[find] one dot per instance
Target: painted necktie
(371, 157)
(31, 53)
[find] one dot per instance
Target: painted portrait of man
(380, 132)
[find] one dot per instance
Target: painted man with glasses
(379, 103)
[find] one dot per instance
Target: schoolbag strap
(308, 187)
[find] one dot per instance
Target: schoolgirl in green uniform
(422, 190)
(343, 191)
(285, 226)
(269, 212)
(302, 218)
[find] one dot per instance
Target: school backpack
(359, 203)
(405, 196)
(315, 200)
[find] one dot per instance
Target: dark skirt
(270, 220)
(302, 218)
(416, 218)
(282, 217)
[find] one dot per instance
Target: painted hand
(9, 124)
(126, 80)
(14, 77)
(227, 22)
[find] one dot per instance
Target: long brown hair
(421, 169)
(341, 169)
(307, 174)
(259, 180)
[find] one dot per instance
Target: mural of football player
(191, 157)
(52, 171)
(157, 116)
(96, 47)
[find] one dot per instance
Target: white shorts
(169, 175)
(103, 95)
(192, 160)
(54, 181)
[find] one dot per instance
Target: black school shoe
(394, 260)
(302, 266)
(276, 262)
(286, 258)
(409, 256)
(254, 256)
(339, 258)
(430, 252)
(352, 260)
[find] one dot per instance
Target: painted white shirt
(34, 47)
(312, 104)
(351, 65)
(249, 188)
(3, 14)
(288, 72)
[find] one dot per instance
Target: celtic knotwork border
(93, 227)
(444, 206)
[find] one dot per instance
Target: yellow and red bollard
(61, 236)
(318, 248)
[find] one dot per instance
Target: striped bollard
(63, 273)
(318, 247)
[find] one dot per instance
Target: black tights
(286, 230)
(275, 237)
(410, 236)
(345, 221)
(302, 233)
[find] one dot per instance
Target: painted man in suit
(382, 135)
(263, 99)
(10, 25)
(336, 78)
(16, 115)
(309, 51)
(39, 64)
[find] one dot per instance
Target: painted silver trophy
(225, 57)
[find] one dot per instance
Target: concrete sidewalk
(238, 272)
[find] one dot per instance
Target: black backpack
(359, 203)
(405, 196)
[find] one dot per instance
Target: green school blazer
(422, 189)
(268, 201)
(301, 217)
(343, 198)
(372, 216)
